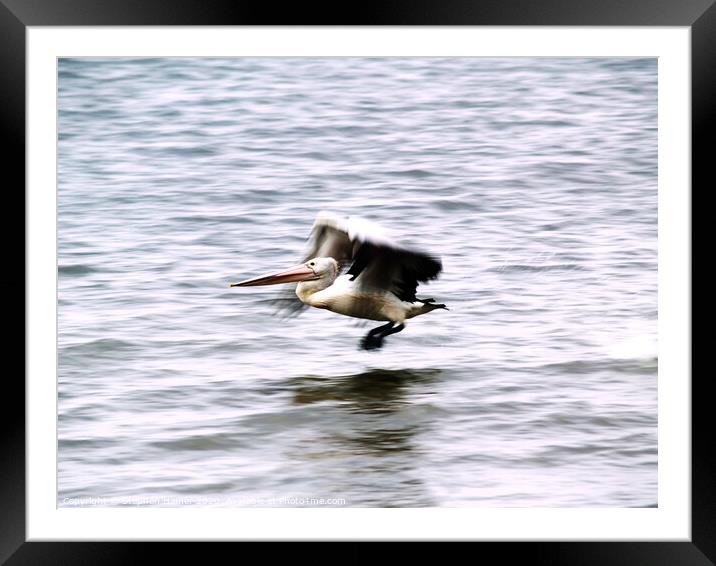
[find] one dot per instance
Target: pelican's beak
(297, 273)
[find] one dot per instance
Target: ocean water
(535, 181)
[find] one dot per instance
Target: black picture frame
(17, 15)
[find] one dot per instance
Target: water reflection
(371, 428)
(373, 391)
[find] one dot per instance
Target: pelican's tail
(429, 305)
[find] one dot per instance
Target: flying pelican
(380, 282)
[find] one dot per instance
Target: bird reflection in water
(374, 391)
(369, 433)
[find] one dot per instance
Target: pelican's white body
(343, 296)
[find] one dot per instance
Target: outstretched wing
(395, 269)
(376, 260)
(330, 238)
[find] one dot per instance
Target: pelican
(379, 284)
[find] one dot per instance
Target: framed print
(533, 174)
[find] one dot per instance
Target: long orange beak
(297, 273)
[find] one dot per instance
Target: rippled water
(535, 180)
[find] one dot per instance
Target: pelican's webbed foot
(374, 339)
(371, 342)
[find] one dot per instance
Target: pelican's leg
(393, 330)
(374, 338)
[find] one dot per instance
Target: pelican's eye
(311, 264)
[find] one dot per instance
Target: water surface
(535, 180)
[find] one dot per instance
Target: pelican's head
(324, 269)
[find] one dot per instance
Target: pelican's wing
(376, 259)
(393, 268)
(330, 237)
(287, 303)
